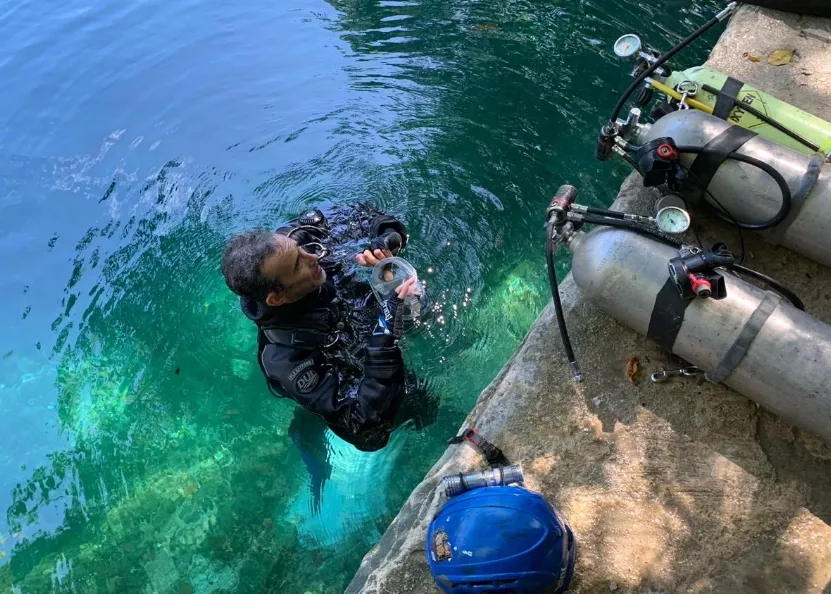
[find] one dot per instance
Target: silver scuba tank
(749, 193)
(785, 366)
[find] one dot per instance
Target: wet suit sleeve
(308, 378)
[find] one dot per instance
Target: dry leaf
(190, 487)
(632, 367)
(754, 58)
(781, 57)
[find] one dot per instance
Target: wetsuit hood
(287, 315)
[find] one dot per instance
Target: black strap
(727, 98)
(738, 349)
(746, 106)
(493, 454)
(667, 316)
(806, 184)
(712, 155)
(297, 338)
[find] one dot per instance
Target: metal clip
(687, 88)
(659, 377)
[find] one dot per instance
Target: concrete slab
(677, 487)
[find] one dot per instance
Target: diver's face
(298, 270)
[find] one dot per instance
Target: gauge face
(672, 219)
(628, 45)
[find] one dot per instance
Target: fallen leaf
(632, 367)
(781, 57)
(189, 488)
(754, 58)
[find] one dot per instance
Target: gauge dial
(628, 45)
(672, 219)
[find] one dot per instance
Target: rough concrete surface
(678, 487)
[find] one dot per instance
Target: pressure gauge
(672, 219)
(628, 45)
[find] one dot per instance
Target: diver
(324, 341)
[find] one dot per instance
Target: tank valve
(694, 274)
(606, 142)
(561, 204)
(657, 162)
(701, 286)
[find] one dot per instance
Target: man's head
(265, 266)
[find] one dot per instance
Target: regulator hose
(666, 57)
(550, 249)
(784, 209)
(786, 293)
(630, 226)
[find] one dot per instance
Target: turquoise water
(139, 449)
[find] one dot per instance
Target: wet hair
(242, 264)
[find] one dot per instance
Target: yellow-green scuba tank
(713, 92)
(730, 99)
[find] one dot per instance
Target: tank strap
(806, 184)
(667, 316)
(738, 349)
(727, 98)
(712, 155)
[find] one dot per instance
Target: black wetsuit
(317, 351)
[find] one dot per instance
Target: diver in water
(323, 339)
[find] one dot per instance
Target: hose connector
(576, 374)
(561, 204)
(728, 10)
(606, 142)
(456, 484)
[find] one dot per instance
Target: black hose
(784, 209)
(766, 119)
(776, 286)
(632, 226)
(605, 213)
(550, 248)
(658, 63)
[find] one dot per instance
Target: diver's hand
(369, 258)
(390, 324)
(406, 288)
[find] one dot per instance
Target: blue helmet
(501, 540)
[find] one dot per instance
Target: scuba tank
(716, 90)
(697, 304)
(787, 364)
(746, 192)
(713, 92)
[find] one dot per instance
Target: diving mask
(388, 275)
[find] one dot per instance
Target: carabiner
(659, 377)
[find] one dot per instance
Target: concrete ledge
(677, 487)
